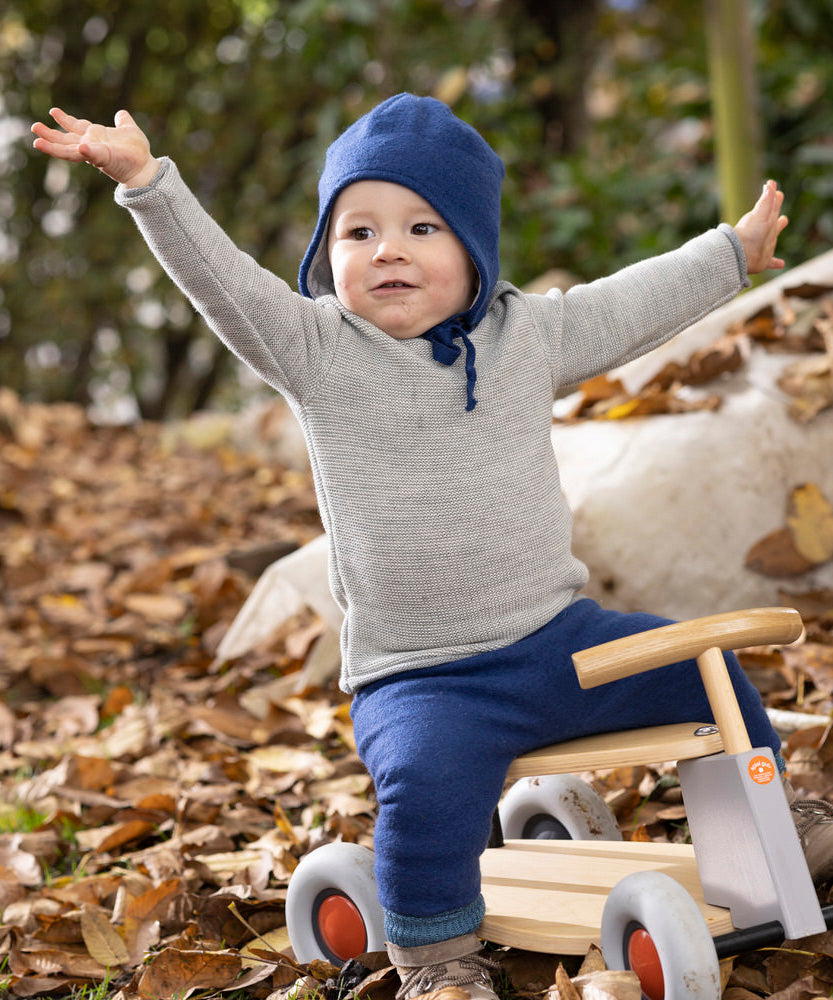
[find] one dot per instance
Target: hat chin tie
(446, 352)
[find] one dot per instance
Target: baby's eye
(361, 233)
(423, 228)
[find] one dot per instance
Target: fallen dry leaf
(563, 988)
(102, 940)
(810, 519)
(172, 795)
(776, 555)
(609, 984)
(177, 972)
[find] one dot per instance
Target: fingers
(770, 201)
(62, 142)
(96, 153)
(124, 118)
(57, 144)
(70, 122)
(54, 135)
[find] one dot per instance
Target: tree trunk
(731, 48)
(553, 64)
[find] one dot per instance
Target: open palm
(121, 151)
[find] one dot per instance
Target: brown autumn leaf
(120, 834)
(41, 960)
(265, 947)
(776, 555)
(601, 387)
(156, 902)
(92, 772)
(726, 354)
(810, 520)
(102, 939)
(762, 325)
(608, 984)
(16, 864)
(563, 988)
(808, 290)
(66, 609)
(179, 972)
(289, 759)
(810, 382)
(811, 604)
(34, 986)
(160, 607)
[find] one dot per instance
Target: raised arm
(282, 337)
(612, 320)
(121, 151)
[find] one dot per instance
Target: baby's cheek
(343, 287)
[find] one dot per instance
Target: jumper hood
(419, 143)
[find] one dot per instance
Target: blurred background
(620, 123)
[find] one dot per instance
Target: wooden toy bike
(559, 877)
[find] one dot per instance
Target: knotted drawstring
(446, 352)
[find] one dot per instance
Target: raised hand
(122, 151)
(760, 228)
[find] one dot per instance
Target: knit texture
(419, 143)
(448, 532)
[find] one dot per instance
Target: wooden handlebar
(658, 647)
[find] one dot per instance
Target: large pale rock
(667, 507)
(297, 580)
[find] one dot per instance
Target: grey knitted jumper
(448, 531)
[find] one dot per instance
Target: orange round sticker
(761, 770)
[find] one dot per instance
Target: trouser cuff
(412, 932)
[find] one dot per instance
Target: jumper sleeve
(601, 325)
(286, 339)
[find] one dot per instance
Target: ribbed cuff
(124, 195)
(413, 932)
(740, 254)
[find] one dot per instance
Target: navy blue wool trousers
(438, 741)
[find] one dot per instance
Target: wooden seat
(634, 746)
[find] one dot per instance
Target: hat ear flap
(319, 273)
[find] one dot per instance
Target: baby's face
(395, 261)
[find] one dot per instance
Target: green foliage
(16, 817)
(608, 150)
(245, 94)
(796, 79)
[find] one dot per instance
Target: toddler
(424, 386)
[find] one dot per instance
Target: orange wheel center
(341, 927)
(644, 961)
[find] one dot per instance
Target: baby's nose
(390, 248)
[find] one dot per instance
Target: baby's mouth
(393, 284)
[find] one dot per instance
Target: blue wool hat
(419, 143)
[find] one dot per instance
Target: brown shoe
(813, 820)
(455, 962)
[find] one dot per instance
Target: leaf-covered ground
(154, 800)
